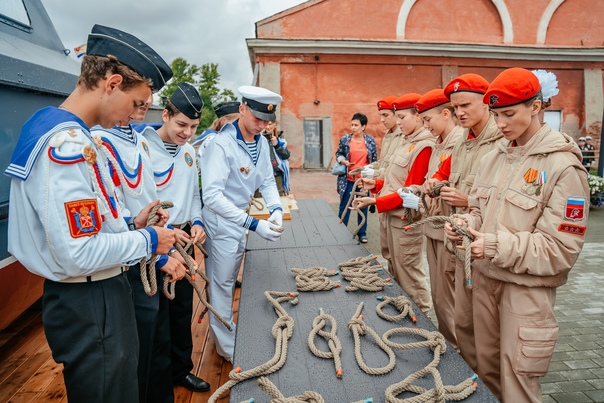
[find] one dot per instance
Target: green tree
(206, 78)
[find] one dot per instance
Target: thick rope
(148, 275)
(408, 212)
(354, 193)
(467, 239)
(359, 261)
(371, 282)
(401, 303)
(440, 393)
(358, 328)
(277, 397)
(282, 331)
(352, 273)
(335, 347)
(315, 279)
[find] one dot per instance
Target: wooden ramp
(28, 373)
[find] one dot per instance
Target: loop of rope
(352, 273)
(282, 331)
(277, 397)
(440, 393)
(467, 239)
(401, 303)
(358, 261)
(256, 203)
(354, 193)
(372, 282)
(148, 275)
(315, 279)
(335, 347)
(358, 328)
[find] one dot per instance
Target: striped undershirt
(253, 148)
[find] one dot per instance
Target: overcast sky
(201, 31)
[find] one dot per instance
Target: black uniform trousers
(152, 324)
(91, 330)
(181, 312)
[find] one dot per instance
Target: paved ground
(576, 373)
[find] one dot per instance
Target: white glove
(276, 218)
(269, 231)
(409, 199)
(368, 172)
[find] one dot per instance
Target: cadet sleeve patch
(188, 159)
(83, 217)
(575, 208)
(572, 229)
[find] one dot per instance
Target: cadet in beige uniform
(408, 167)
(528, 214)
(479, 137)
(437, 114)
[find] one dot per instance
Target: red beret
(386, 103)
(468, 83)
(512, 87)
(431, 99)
(406, 101)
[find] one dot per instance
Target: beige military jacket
(534, 231)
(442, 150)
(392, 140)
(467, 154)
(402, 161)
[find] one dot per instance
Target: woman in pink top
(355, 150)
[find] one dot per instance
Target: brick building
(332, 58)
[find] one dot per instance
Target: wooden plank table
(269, 269)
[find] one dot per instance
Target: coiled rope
(277, 397)
(440, 393)
(315, 279)
(401, 303)
(354, 193)
(335, 347)
(358, 328)
(467, 239)
(282, 331)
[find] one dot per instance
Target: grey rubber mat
(313, 224)
(269, 270)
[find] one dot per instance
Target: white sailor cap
(588, 138)
(581, 138)
(262, 102)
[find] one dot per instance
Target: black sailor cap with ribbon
(186, 99)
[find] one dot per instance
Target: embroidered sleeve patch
(572, 229)
(83, 217)
(575, 208)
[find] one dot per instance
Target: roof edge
(288, 11)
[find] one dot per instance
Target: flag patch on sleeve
(83, 217)
(572, 229)
(575, 208)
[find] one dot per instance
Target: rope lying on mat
(401, 303)
(358, 328)
(359, 261)
(277, 397)
(354, 193)
(315, 279)
(362, 275)
(440, 393)
(335, 347)
(282, 331)
(467, 239)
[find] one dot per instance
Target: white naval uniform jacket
(62, 224)
(230, 178)
(176, 179)
(132, 156)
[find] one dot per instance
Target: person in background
(528, 215)
(589, 152)
(67, 225)
(176, 179)
(355, 150)
(279, 157)
(234, 165)
(226, 112)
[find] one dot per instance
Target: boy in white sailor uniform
(234, 165)
(67, 225)
(132, 173)
(175, 173)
